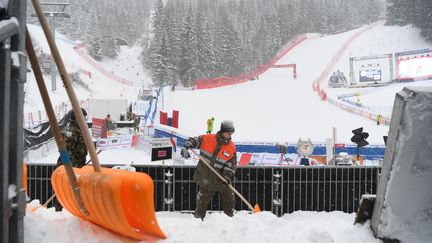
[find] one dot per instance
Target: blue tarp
(155, 109)
(146, 115)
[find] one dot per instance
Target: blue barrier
(147, 114)
(370, 152)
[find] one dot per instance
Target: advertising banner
(99, 128)
(112, 143)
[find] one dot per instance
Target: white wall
(99, 108)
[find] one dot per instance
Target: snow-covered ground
(277, 108)
(102, 86)
(46, 225)
(273, 108)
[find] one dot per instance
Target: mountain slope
(277, 108)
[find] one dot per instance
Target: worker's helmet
(227, 126)
(71, 114)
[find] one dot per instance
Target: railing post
(276, 198)
(168, 196)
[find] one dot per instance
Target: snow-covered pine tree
(189, 61)
(205, 50)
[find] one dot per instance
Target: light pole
(61, 13)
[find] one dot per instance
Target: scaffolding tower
(13, 68)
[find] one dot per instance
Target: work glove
(188, 144)
(184, 153)
(228, 179)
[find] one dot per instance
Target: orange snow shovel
(53, 195)
(120, 201)
(255, 209)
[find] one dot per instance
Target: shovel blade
(256, 209)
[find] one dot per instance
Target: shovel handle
(68, 85)
(207, 163)
(54, 126)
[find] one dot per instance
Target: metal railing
(280, 190)
(13, 71)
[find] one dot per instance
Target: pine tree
(396, 12)
(228, 38)
(416, 12)
(205, 50)
(173, 31)
(423, 17)
(189, 62)
(157, 55)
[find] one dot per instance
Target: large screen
(370, 75)
(417, 67)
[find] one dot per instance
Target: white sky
(274, 108)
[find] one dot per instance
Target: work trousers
(205, 196)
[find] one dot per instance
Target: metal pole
(5, 67)
(53, 66)
(358, 154)
(351, 64)
(163, 99)
(62, 14)
(168, 200)
(391, 67)
(334, 144)
(16, 134)
(276, 199)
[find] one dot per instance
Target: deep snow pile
(46, 225)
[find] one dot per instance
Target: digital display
(370, 75)
(417, 67)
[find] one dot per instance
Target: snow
(12, 192)
(49, 226)
(273, 108)
(3, 3)
(13, 22)
(276, 108)
(102, 86)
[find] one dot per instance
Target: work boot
(229, 212)
(198, 216)
(227, 197)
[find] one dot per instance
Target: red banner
(163, 118)
(135, 141)
(175, 118)
(245, 159)
(99, 129)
